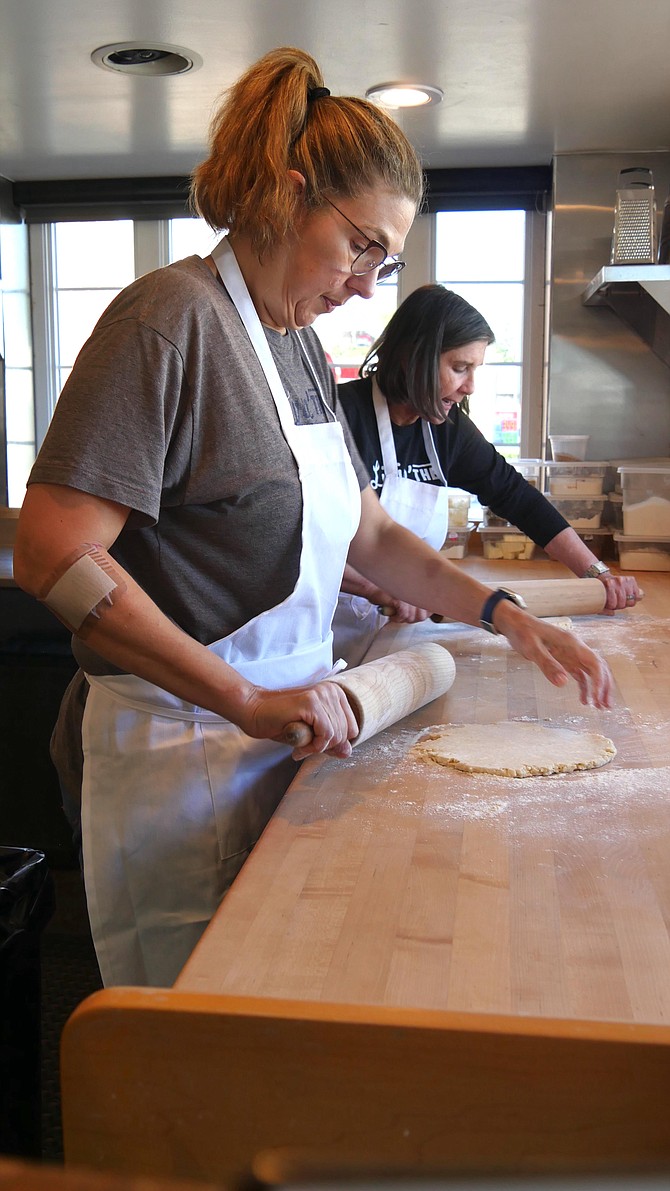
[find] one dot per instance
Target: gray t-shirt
(168, 411)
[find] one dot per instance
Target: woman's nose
(364, 283)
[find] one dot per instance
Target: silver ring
(630, 599)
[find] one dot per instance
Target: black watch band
(486, 618)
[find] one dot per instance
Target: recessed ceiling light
(404, 95)
(141, 57)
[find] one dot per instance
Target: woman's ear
(297, 180)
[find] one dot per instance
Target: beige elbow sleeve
(85, 584)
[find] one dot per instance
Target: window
(190, 237)
(17, 412)
(76, 269)
(494, 258)
(348, 332)
(482, 256)
(92, 262)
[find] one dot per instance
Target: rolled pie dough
(514, 749)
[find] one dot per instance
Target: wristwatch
(595, 570)
(503, 593)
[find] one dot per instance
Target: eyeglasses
(372, 256)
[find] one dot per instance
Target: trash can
(26, 904)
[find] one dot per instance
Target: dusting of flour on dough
(514, 748)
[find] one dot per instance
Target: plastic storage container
(459, 508)
(575, 479)
(613, 482)
(491, 518)
(456, 543)
(583, 512)
(614, 511)
(646, 501)
(639, 553)
(506, 542)
(597, 540)
(568, 448)
(531, 470)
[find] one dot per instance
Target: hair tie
(317, 93)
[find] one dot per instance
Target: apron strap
(231, 275)
(387, 443)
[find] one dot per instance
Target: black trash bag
(26, 905)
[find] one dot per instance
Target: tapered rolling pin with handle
(384, 691)
(553, 597)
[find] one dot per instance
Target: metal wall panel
(603, 379)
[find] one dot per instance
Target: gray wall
(603, 379)
(8, 212)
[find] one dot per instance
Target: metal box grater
(634, 237)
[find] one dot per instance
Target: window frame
(420, 253)
(151, 251)
(151, 239)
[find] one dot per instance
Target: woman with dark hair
(408, 416)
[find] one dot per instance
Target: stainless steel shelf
(613, 279)
(639, 295)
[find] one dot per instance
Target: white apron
(173, 796)
(423, 508)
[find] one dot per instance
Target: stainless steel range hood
(640, 296)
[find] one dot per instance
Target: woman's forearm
(353, 583)
(397, 561)
(567, 547)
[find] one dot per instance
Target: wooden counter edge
(17, 1174)
(163, 1083)
(109, 1001)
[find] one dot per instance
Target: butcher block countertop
(383, 880)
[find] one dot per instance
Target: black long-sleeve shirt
(468, 461)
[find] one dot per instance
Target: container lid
(659, 471)
(640, 537)
(496, 530)
(578, 464)
(459, 531)
(573, 498)
(642, 461)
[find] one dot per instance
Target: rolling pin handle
(387, 610)
(297, 735)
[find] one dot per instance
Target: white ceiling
(523, 79)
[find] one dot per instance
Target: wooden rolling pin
(561, 597)
(384, 691)
(555, 597)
